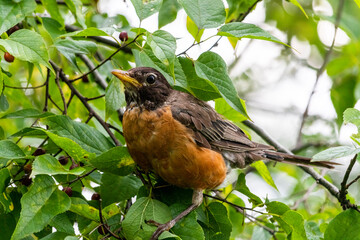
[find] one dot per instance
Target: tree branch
(345, 203)
(318, 178)
(86, 104)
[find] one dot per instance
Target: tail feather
(297, 160)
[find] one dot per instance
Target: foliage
(58, 101)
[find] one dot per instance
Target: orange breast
(158, 142)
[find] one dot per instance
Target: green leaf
(344, 226)
(54, 28)
(187, 228)
(70, 147)
(217, 225)
(168, 12)
(296, 222)
(87, 137)
(82, 208)
(342, 95)
(205, 13)
(10, 150)
(201, 88)
(7, 225)
(46, 202)
(5, 199)
(91, 31)
(241, 187)
(47, 164)
(117, 188)
(335, 152)
(237, 219)
(13, 12)
(114, 97)
(246, 30)
(147, 58)
(238, 8)
(296, 3)
(62, 223)
(144, 209)
(28, 46)
(117, 161)
(264, 173)
(27, 113)
(4, 104)
(53, 9)
(313, 231)
(75, 7)
(56, 236)
(222, 107)
(146, 8)
(352, 115)
(69, 48)
(194, 30)
(212, 67)
(163, 45)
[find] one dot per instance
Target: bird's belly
(158, 142)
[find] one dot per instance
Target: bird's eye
(151, 79)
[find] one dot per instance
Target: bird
(184, 140)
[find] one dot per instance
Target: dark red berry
(103, 229)
(8, 57)
(39, 152)
(26, 180)
(74, 165)
(123, 36)
(68, 191)
(95, 196)
(63, 160)
(85, 79)
(28, 168)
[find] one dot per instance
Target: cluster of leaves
(48, 117)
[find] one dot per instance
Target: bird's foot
(160, 228)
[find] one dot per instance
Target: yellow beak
(125, 78)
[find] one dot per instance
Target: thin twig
(106, 59)
(45, 109)
(353, 181)
(97, 77)
(105, 225)
(25, 88)
(345, 203)
(85, 103)
(61, 93)
(81, 176)
(320, 71)
(94, 98)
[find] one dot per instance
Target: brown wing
(212, 131)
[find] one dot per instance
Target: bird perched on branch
(184, 140)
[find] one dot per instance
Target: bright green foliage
(11, 13)
(344, 226)
(28, 46)
(246, 30)
(61, 128)
(144, 209)
(45, 202)
(205, 13)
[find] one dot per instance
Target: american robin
(183, 139)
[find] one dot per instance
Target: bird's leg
(197, 199)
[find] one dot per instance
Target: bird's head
(144, 86)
